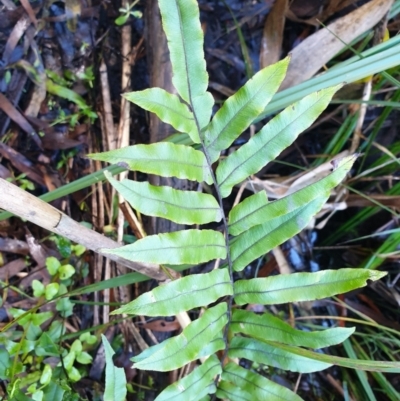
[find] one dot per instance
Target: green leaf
(175, 248)
(20, 396)
(181, 23)
(5, 364)
(51, 290)
(268, 327)
(260, 239)
(241, 215)
(183, 207)
(276, 136)
(216, 344)
(46, 375)
(193, 386)
(74, 374)
(231, 392)
(39, 318)
(187, 346)
(267, 354)
(212, 347)
(65, 306)
(121, 20)
(256, 209)
(66, 93)
(115, 377)
(298, 287)
(66, 271)
(52, 265)
(164, 158)
(76, 346)
(38, 288)
(253, 385)
(68, 360)
(369, 365)
(84, 358)
(53, 391)
(181, 295)
(46, 346)
(240, 110)
(168, 109)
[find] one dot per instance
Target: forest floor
(63, 68)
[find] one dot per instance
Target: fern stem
(228, 256)
(227, 247)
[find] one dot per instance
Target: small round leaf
(46, 375)
(66, 271)
(76, 347)
(84, 358)
(74, 374)
(51, 290)
(52, 265)
(38, 288)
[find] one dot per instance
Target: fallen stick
(28, 207)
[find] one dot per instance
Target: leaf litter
(47, 129)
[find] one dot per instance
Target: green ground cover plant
(34, 362)
(225, 332)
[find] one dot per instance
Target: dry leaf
(271, 42)
(315, 51)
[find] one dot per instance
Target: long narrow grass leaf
(362, 376)
(377, 59)
(372, 366)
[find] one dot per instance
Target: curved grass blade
(276, 136)
(175, 248)
(164, 158)
(66, 93)
(262, 238)
(181, 295)
(268, 327)
(181, 23)
(256, 209)
(359, 364)
(195, 385)
(376, 59)
(186, 347)
(240, 110)
(183, 207)
(255, 386)
(298, 287)
(168, 109)
(267, 354)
